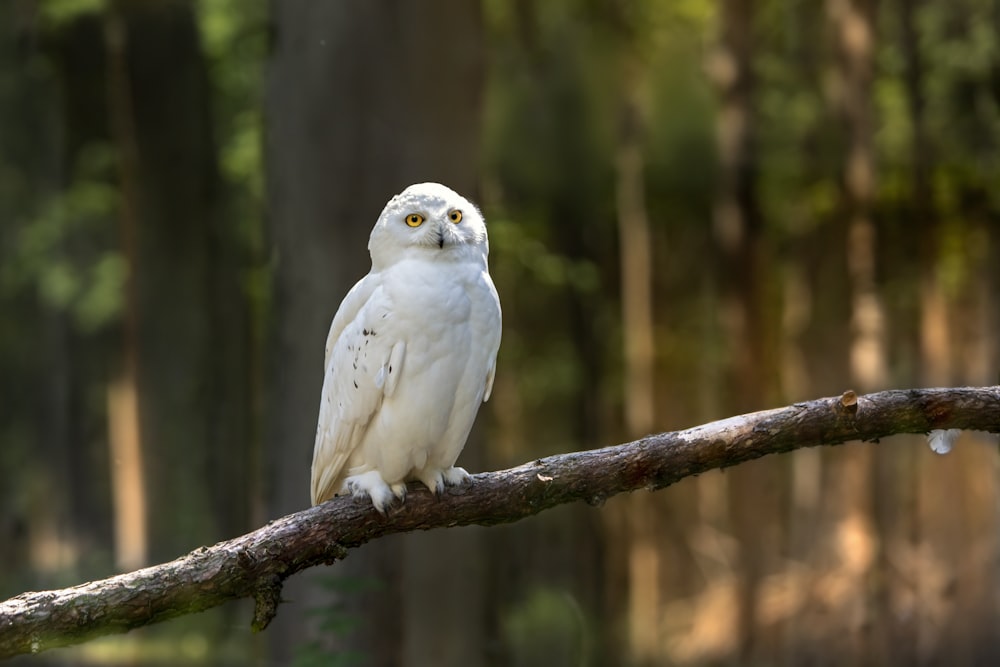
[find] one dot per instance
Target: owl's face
(428, 218)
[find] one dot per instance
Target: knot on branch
(266, 597)
(335, 551)
(847, 406)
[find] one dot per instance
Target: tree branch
(255, 565)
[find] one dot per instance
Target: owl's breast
(437, 294)
(448, 319)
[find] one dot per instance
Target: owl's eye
(455, 216)
(414, 220)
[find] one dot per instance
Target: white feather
(942, 441)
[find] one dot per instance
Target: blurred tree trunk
(635, 254)
(863, 481)
(349, 126)
(128, 481)
(41, 536)
(812, 291)
(737, 220)
(906, 631)
(742, 254)
(641, 515)
(190, 311)
(853, 25)
(934, 330)
(801, 306)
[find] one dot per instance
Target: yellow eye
(455, 216)
(414, 220)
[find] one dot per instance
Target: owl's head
(431, 219)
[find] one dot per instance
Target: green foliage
(67, 252)
(547, 628)
(234, 38)
(57, 13)
(538, 263)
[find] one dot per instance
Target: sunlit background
(696, 209)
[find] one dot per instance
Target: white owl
(411, 352)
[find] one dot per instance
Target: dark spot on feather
(355, 384)
(390, 369)
(365, 332)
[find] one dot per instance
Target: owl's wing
(490, 374)
(492, 338)
(348, 311)
(361, 368)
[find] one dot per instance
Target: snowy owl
(411, 353)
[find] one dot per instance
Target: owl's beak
(440, 238)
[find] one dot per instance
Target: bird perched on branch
(411, 353)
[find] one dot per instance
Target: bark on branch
(256, 564)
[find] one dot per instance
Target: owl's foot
(372, 485)
(436, 480)
(456, 476)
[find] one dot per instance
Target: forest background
(695, 208)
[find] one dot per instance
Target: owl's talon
(372, 485)
(437, 480)
(433, 481)
(456, 476)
